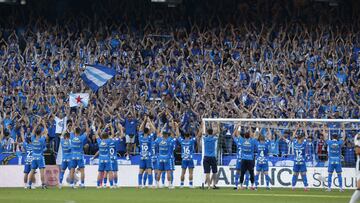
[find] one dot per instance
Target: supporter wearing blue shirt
(210, 145)
(130, 124)
(274, 146)
(248, 144)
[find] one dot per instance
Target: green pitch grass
(132, 195)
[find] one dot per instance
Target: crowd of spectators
(230, 59)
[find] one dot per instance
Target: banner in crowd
(77, 99)
(60, 124)
(12, 176)
(97, 75)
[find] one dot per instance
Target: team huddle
(157, 161)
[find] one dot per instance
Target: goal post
(280, 132)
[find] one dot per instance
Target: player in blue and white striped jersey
(334, 153)
(165, 145)
(262, 158)
(187, 150)
(146, 135)
(38, 140)
(299, 145)
(27, 148)
(66, 155)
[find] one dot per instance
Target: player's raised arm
(176, 129)
(153, 129)
(97, 132)
(269, 134)
(343, 137)
(112, 131)
(121, 130)
(237, 130)
(1, 132)
(142, 126)
(87, 128)
(216, 129)
(201, 130)
(305, 130)
(34, 129)
(295, 131)
(45, 132)
(22, 134)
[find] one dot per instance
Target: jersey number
(186, 150)
(144, 148)
(112, 151)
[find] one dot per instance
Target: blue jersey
(247, 148)
(334, 151)
(165, 147)
(154, 149)
(262, 152)
(28, 152)
(299, 152)
(66, 149)
(274, 147)
(238, 147)
(104, 149)
(113, 142)
(210, 145)
(145, 143)
(77, 146)
(187, 148)
(38, 147)
(173, 148)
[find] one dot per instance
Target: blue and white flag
(96, 76)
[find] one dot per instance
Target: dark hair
(186, 134)
(146, 130)
(104, 135)
(210, 131)
(77, 130)
(335, 136)
(247, 135)
(38, 131)
(67, 135)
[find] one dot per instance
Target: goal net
(280, 133)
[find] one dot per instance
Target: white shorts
(129, 140)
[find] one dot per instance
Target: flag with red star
(78, 99)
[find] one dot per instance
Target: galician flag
(76, 99)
